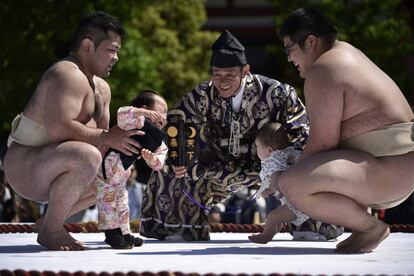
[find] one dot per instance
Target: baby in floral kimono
(273, 149)
(147, 113)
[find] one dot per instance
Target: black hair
(274, 135)
(307, 21)
(96, 26)
(145, 97)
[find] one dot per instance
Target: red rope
(20, 272)
(92, 227)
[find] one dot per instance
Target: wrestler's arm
(103, 123)
(324, 97)
(67, 114)
(294, 116)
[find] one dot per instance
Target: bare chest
(93, 106)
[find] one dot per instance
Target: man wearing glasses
(227, 112)
(360, 150)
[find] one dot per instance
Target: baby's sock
(133, 240)
(116, 240)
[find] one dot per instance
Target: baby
(112, 196)
(272, 148)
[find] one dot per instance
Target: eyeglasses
(289, 48)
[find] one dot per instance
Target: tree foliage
(381, 29)
(164, 50)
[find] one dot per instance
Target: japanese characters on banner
(181, 143)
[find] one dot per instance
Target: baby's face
(160, 106)
(262, 150)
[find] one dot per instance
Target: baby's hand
(152, 115)
(180, 171)
(149, 157)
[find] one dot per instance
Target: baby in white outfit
(272, 148)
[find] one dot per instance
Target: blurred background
(168, 49)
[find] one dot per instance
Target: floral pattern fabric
(111, 192)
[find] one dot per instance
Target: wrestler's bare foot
(38, 224)
(364, 242)
(346, 241)
(261, 238)
(59, 240)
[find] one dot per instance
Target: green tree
(165, 49)
(381, 29)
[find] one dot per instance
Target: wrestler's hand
(180, 171)
(274, 181)
(121, 140)
(267, 192)
(149, 157)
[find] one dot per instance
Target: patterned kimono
(218, 173)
